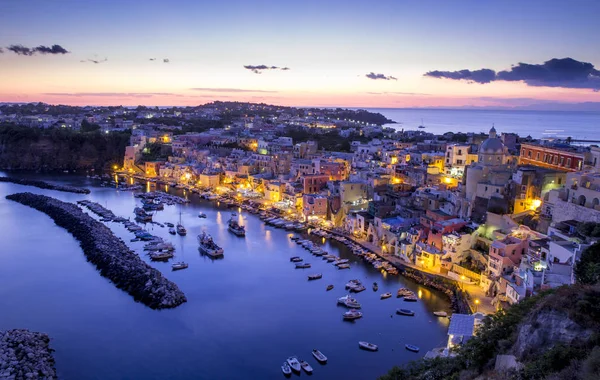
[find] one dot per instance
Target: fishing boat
(306, 367)
(172, 231)
(344, 266)
(295, 259)
(235, 228)
(285, 368)
(351, 315)
(315, 276)
(208, 246)
(294, 363)
(406, 312)
(411, 347)
(169, 224)
(201, 215)
(349, 302)
(386, 295)
(302, 265)
(181, 230)
(319, 356)
(368, 346)
(442, 314)
(410, 299)
(160, 256)
(329, 287)
(179, 265)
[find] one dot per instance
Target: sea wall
(45, 185)
(112, 257)
(25, 355)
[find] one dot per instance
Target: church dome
(492, 144)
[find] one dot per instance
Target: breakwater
(45, 185)
(110, 254)
(25, 355)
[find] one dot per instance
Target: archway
(581, 200)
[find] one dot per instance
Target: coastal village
(491, 219)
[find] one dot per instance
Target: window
(562, 161)
(486, 188)
(560, 181)
(537, 156)
(460, 152)
(522, 152)
(497, 190)
(529, 154)
(545, 157)
(569, 162)
(555, 160)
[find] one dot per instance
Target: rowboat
(407, 312)
(368, 346)
(412, 348)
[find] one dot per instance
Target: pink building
(505, 254)
(314, 183)
(314, 206)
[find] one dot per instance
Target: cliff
(554, 335)
(24, 148)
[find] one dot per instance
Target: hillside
(553, 335)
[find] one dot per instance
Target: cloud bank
(258, 69)
(22, 50)
(557, 72)
(218, 89)
(374, 76)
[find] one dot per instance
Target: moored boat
(236, 228)
(180, 265)
(294, 363)
(172, 231)
(208, 246)
(410, 299)
(319, 356)
(440, 314)
(411, 347)
(407, 312)
(329, 287)
(351, 315)
(386, 295)
(306, 367)
(201, 215)
(315, 276)
(285, 368)
(375, 286)
(368, 346)
(302, 265)
(181, 230)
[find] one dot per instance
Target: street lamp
(476, 305)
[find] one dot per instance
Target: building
(578, 200)
(560, 157)
(314, 206)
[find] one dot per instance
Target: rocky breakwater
(109, 253)
(45, 185)
(25, 355)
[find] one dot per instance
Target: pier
(45, 185)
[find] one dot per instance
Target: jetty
(115, 261)
(25, 355)
(45, 185)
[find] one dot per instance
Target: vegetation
(544, 358)
(50, 149)
(587, 269)
(589, 229)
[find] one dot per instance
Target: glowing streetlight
(476, 305)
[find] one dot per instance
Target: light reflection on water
(245, 313)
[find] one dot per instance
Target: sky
(352, 53)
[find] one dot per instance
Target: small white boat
(442, 314)
(351, 315)
(302, 265)
(319, 356)
(306, 367)
(410, 299)
(343, 266)
(172, 231)
(386, 295)
(294, 363)
(285, 368)
(315, 276)
(178, 266)
(368, 346)
(296, 259)
(412, 348)
(201, 215)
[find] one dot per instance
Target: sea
(245, 314)
(581, 125)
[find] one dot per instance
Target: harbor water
(246, 313)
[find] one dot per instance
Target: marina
(264, 254)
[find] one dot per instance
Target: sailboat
(421, 126)
(180, 264)
(180, 228)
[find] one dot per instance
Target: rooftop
(462, 324)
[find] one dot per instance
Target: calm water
(244, 316)
(538, 124)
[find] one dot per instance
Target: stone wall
(566, 211)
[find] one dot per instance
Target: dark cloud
(95, 61)
(1, 51)
(113, 94)
(478, 76)
(218, 89)
(22, 50)
(557, 72)
(258, 69)
(166, 60)
(374, 76)
(153, 59)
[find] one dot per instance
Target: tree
(587, 269)
(89, 127)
